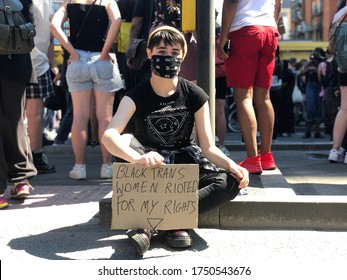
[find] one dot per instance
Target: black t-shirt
(126, 9)
(166, 122)
(145, 10)
(91, 35)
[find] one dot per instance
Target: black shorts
(221, 87)
(343, 79)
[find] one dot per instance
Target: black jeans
(215, 189)
(16, 162)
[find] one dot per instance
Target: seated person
(165, 108)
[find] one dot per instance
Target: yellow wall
(288, 49)
(299, 49)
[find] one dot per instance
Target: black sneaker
(42, 165)
(46, 141)
(307, 135)
(318, 135)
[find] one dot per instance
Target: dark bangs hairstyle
(169, 36)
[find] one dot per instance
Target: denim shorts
(92, 73)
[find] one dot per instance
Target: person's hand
(73, 57)
(223, 53)
(241, 175)
(151, 159)
(107, 57)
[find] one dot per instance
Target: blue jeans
(313, 102)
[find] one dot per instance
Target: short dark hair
(169, 36)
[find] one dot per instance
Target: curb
(271, 203)
(283, 146)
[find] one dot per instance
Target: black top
(126, 8)
(17, 67)
(91, 36)
(145, 10)
(166, 122)
(312, 74)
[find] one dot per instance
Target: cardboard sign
(163, 197)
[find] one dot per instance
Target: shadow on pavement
(91, 241)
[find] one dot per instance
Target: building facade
(310, 19)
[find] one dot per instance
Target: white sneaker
(78, 172)
(106, 171)
(243, 192)
(336, 155)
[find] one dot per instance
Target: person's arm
(136, 27)
(278, 7)
(322, 71)
(228, 15)
(56, 28)
(51, 51)
(139, 14)
(115, 20)
(212, 152)
(118, 145)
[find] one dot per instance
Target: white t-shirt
(42, 11)
(254, 12)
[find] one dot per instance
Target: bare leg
(79, 129)
(266, 118)
(93, 120)
(220, 120)
(340, 125)
(246, 114)
(34, 113)
(104, 111)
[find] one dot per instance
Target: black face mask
(166, 66)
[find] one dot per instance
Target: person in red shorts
(251, 27)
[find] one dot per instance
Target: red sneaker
(267, 161)
(3, 202)
(252, 164)
(20, 190)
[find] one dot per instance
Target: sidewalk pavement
(68, 219)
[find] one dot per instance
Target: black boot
(42, 165)
(317, 130)
(46, 141)
(308, 130)
(307, 135)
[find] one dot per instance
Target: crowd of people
(111, 103)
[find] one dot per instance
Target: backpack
(16, 34)
(341, 47)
